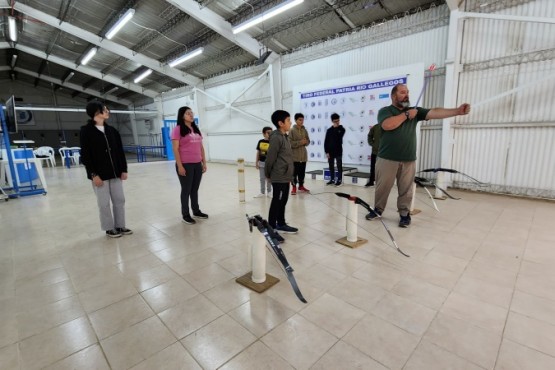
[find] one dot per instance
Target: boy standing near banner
(299, 139)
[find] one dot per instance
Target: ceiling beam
(220, 25)
(71, 86)
(108, 44)
(83, 69)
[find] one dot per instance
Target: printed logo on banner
(356, 104)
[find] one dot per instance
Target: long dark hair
(184, 130)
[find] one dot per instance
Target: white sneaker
(261, 195)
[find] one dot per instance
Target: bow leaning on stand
(357, 200)
(269, 234)
(449, 170)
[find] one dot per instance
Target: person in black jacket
(333, 146)
(104, 159)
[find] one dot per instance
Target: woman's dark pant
(189, 187)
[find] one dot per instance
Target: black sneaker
(373, 215)
(124, 230)
(278, 237)
(286, 229)
(188, 220)
(113, 233)
(338, 183)
(404, 221)
(368, 184)
(331, 182)
(199, 214)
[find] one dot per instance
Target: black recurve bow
(273, 245)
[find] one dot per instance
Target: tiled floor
(477, 293)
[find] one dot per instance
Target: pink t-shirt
(190, 146)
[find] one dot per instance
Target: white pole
(258, 260)
(352, 223)
(241, 176)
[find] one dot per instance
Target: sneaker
(124, 230)
(188, 220)
(278, 237)
(302, 189)
(113, 233)
(294, 190)
(286, 229)
(261, 195)
(373, 215)
(404, 221)
(369, 184)
(331, 182)
(338, 183)
(199, 214)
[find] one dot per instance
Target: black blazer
(102, 153)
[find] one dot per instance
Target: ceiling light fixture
(89, 56)
(12, 25)
(111, 90)
(69, 75)
(186, 57)
(14, 60)
(266, 15)
(142, 76)
(120, 23)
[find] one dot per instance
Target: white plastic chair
(65, 153)
(46, 151)
(75, 154)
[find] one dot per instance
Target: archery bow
(357, 200)
(269, 234)
(423, 182)
(439, 169)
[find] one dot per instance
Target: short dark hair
(395, 88)
(298, 115)
(266, 128)
(94, 107)
(334, 116)
(279, 116)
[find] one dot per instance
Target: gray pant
(264, 182)
(111, 190)
(386, 173)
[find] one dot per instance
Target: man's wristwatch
(407, 114)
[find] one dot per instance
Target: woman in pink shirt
(190, 162)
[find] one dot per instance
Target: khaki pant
(386, 173)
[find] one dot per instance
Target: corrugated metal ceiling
(161, 31)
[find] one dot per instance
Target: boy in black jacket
(333, 146)
(103, 156)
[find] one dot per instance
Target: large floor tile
(136, 343)
(299, 342)
(532, 333)
(170, 358)
(345, 356)
(55, 344)
(382, 341)
(428, 356)
(169, 294)
(257, 357)
(513, 356)
(90, 358)
(217, 342)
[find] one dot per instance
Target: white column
(352, 222)
(452, 70)
(275, 84)
(133, 122)
(258, 259)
